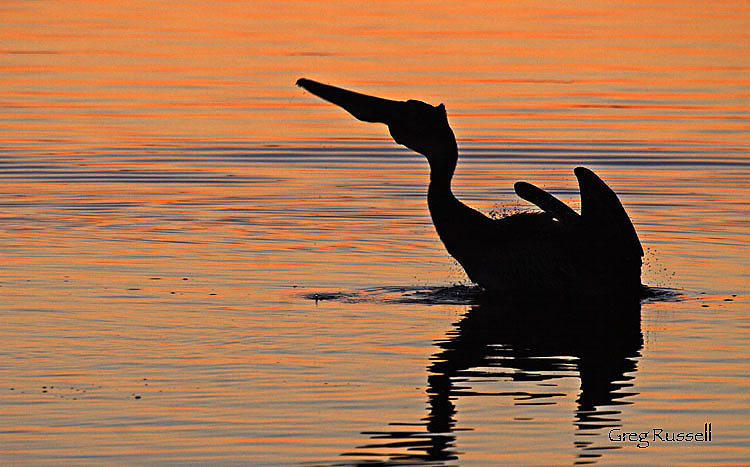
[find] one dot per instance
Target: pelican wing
(602, 211)
(547, 203)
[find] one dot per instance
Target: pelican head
(421, 127)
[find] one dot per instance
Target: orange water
(170, 203)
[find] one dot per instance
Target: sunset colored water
(204, 264)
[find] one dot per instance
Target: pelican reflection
(517, 346)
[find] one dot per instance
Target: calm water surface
(201, 263)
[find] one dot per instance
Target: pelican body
(552, 252)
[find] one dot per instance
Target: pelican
(553, 252)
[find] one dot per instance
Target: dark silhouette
(512, 343)
(556, 252)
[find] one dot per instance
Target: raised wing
(602, 212)
(547, 203)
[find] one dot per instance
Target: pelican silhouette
(556, 251)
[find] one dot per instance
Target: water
(204, 264)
